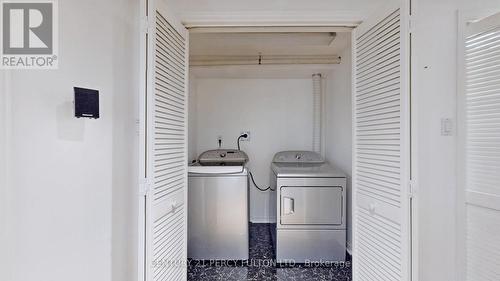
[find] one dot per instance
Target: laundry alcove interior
(264, 83)
(230, 92)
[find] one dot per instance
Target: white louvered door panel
(381, 211)
(166, 226)
(482, 149)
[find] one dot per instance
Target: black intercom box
(86, 103)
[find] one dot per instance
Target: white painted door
(479, 139)
(166, 142)
(381, 153)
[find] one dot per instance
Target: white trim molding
(268, 29)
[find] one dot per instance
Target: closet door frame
(202, 27)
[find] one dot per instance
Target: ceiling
(253, 11)
(249, 44)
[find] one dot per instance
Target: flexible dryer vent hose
(317, 112)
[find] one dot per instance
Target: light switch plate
(446, 127)
(219, 141)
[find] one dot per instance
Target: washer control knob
(222, 155)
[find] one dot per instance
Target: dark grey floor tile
(261, 266)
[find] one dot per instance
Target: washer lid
(306, 170)
(218, 157)
(298, 156)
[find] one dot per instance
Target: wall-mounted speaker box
(86, 103)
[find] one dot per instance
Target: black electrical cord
(261, 189)
(238, 141)
(250, 173)
(239, 138)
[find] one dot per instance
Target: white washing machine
(218, 206)
(310, 197)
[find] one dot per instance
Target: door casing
(262, 26)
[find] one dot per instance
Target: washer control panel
(220, 157)
(298, 156)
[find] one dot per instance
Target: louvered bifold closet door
(167, 140)
(482, 149)
(380, 164)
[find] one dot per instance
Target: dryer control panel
(298, 156)
(221, 157)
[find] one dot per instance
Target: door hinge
(144, 187)
(411, 23)
(145, 25)
(412, 189)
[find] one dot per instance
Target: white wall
(277, 112)
(3, 174)
(124, 212)
(338, 125)
(70, 202)
(435, 61)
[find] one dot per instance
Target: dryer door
(311, 205)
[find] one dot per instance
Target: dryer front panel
(311, 205)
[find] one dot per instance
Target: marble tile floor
(262, 267)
